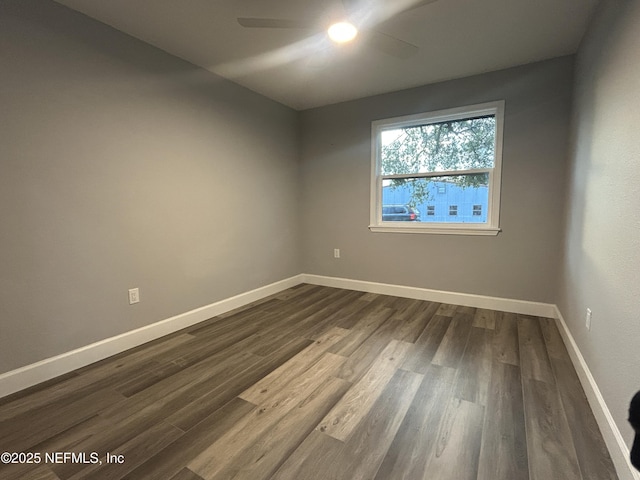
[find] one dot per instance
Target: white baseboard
(49, 368)
(466, 299)
(610, 432)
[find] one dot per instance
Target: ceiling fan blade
(419, 4)
(249, 22)
(380, 9)
(391, 45)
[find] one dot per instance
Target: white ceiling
(302, 69)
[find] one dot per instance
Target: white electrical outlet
(336, 253)
(588, 319)
(134, 295)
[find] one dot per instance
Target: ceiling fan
(361, 14)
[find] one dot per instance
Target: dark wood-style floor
(322, 383)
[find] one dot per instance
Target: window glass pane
(439, 147)
(464, 194)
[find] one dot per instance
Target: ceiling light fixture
(342, 32)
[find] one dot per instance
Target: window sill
(436, 230)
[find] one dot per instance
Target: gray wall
(122, 166)
(520, 263)
(602, 245)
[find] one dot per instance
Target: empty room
(336, 239)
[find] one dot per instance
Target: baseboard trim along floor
(30, 375)
(465, 299)
(47, 369)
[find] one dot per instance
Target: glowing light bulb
(342, 32)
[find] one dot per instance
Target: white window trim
(492, 227)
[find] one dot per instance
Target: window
(438, 159)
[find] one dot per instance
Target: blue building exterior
(447, 202)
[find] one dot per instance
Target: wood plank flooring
(321, 383)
